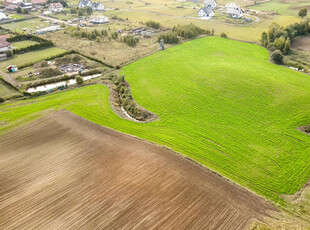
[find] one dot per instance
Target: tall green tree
(303, 13)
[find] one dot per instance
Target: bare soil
(302, 43)
(63, 172)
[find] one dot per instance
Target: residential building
(55, 7)
(210, 3)
(206, 12)
(235, 12)
(96, 6)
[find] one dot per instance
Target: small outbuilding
(210, 3)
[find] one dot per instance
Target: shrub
(153, 24)
(302, 13)
(9, 53)
(223, 35)
(277, 57)
(1, 100)
(79, 80)
(114, 35)
(188, 31)
(130, 40)
(50, 72)
(73, 11)
(169, 38)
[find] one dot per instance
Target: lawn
(32, 25)
(220, 102)
(7, 91)
(23, 44)
(31, 57)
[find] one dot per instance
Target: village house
(38, 3)
(210, 3)
(96, 6)
(206, 12)
(235, 12)
(99, 20)
(3, 16)
(232, 5)
(55, 7)
(4, 46)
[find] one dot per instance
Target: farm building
(206, 12)
(4, 46)
(99, 20)
(26, 5)
(235, 12)
(210, 3)
(96, 6)
(55, 7)
(48, 29)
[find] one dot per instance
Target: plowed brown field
(63, 172)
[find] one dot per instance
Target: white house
(210, 3)
(235, 12)
(55, 7)
(96, 6)
(99, 20)
(232, 5)
(2, 16)
(206, 12)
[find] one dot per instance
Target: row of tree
(278, 38)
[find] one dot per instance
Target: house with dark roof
(205, 12)
(96, 6)
(235, 12)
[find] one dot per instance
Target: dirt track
(302, 43)
(63, 172)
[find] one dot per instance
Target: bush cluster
(23, 37)
(130, 40)
(50, 72)
(279, 38)
(90, 35)
(153, 24)
(189, 31)
(169, 38)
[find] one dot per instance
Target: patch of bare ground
(305, 129)
(302, 43)
(63, 172)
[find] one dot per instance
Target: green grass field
(23, 44)
(283, 7)
(30, 57)
(220, 102)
